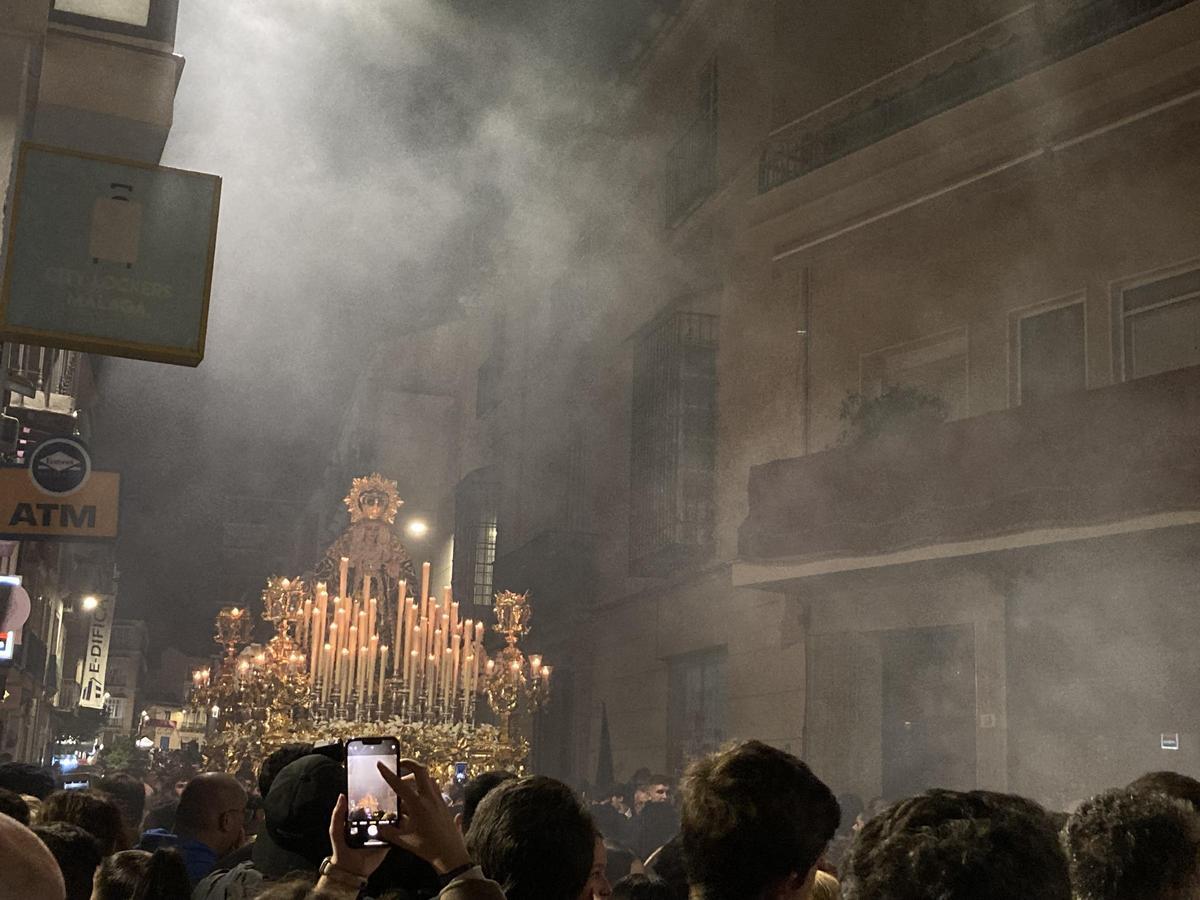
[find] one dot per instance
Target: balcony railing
(1021, 45)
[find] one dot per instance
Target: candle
(343, 574)
(383, 655)
(372, 612)
(305, 622)
(430, 678)
(368, 584)
(326, 672)
(411, 663)
(363, 662)
(343, 671)
(372, 661)
(424, 584)
(315, 639)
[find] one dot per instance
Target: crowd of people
(749, 823)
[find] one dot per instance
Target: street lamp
(90, 603)
(417, 528)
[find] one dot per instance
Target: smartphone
(460, 773)
(371, 802)
(75, 784)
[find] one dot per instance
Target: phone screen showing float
(371, 802)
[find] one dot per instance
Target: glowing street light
(417, 528)
(90, 603)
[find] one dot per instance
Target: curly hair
(955, 845)
(753, 816)
(1128, 845)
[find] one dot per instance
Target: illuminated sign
(27, 511)
(95, 661)
(1168, 741)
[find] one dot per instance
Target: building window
(1051, 352)
(1161, 325)
(475, 532)
(692, 159)
(129, 12)
(936, 365)
(695, 706)
(114, 709)
(673, 444)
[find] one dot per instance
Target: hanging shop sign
(109, 256)
(59, 495)
(95, 660)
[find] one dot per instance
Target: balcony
(46, 379)
(1016, 47)
(1111, 460)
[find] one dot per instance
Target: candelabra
(370, 659)
(514, 685)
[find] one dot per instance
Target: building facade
(859, 418)
(980, 208)
(96, 77)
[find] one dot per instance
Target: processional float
(380, 655)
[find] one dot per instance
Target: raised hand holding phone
(372, 803)
(424, 825)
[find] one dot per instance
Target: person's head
(955, 845)
(651, 789)
(129, 794)
(755, 821)
(138, 875)
(212, 810)
(275, 762)
(1181, 787)
(295, 835)
(1129, 845)
(94, 813)
(852, 808)
(641, 887)
(77, 854)
(22, 852)
(292, 889)
(14, 805)
(475, 790)
(535, 838)
(25, 778)
(161, 814)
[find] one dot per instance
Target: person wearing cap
(295, 835)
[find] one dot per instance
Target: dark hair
(275, 762)
(14, 806)
(1181, 787)
(161, 815)
(641, 887)
(77, 853)
(752, 816)
(26, 778)
(93, 812)
(535, 838)
(667, 865)
(130, 796)
(976, 845)
(611, 823)
(477, 788)
(1125, 845)
(138, 875)
(293, 889)
(852, 807)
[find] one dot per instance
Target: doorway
(928, 720)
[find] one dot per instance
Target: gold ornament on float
(371, 659)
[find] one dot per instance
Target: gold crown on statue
(373, 498)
